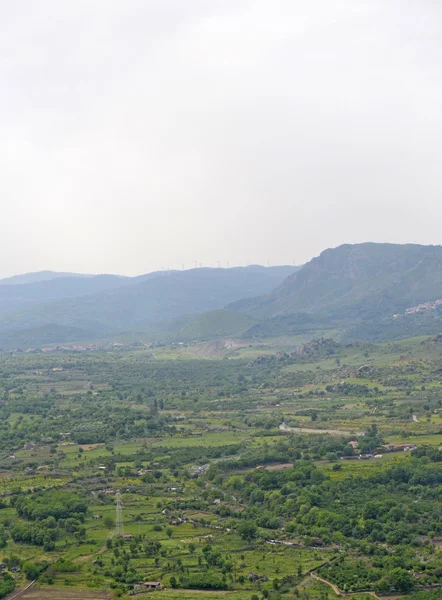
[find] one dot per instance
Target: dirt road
(337, 591)
(15, 595)
(284, 427)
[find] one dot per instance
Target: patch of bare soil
(87, 447)
(67, 593)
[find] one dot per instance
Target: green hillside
(418, 324)
(45, 335)
(289, 325)
(355, 283)
(216, 324)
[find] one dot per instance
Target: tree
(3, 537)
(108, 522)
(331, 456)
(247, 530)
(169, 532)
(80, 534)
(32, 570)
(192, 548)
(401, 579)
(383, 586)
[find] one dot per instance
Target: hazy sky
(140, 134)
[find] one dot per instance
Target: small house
(153, 585)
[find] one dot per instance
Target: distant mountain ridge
(39, 276)
(356, 282)
(351, 292)
(107, 305)
(14, 296)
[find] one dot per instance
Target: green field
(207, 478)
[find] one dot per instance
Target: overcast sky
(142, 134)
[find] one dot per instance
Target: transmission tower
(119, 528)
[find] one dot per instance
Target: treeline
(56, 504)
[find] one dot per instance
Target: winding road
(337, 591)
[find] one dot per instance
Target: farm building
(398, 447)
(153, 585)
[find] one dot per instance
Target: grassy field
(193, 445)
(432, 440)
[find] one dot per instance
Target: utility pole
(119, 528)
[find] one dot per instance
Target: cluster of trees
(291, 449)
(52, 513)
(351, 389)
(177, 457)
(358, 575)
(386, 516)
(40, 534)
(7, 585)
(58, 504)
(210, 580)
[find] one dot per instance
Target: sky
(150, 134)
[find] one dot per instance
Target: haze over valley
(361, 292)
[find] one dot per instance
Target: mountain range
(375, 292)
(357, 282)
(107, 305)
